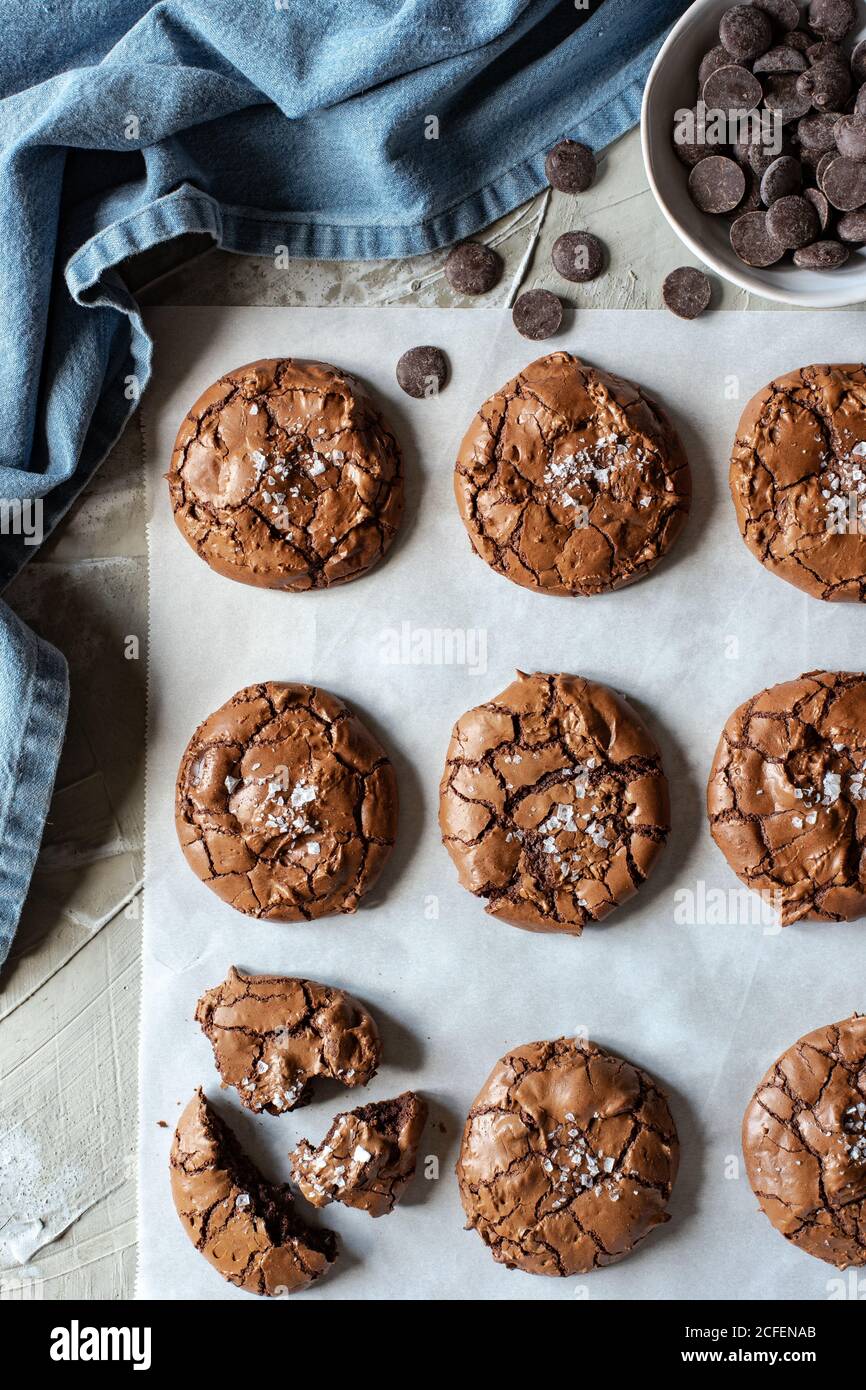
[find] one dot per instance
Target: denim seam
(525, 169)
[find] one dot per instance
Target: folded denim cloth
(377, 128)
(34, 696)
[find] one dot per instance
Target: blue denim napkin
(34, 695)
(334, 129)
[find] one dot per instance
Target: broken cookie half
(367, 1157)
(246, 1227)
(272, 1034)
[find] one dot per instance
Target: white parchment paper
(695, 992)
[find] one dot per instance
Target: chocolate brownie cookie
(246, 1227)
(286, 805)
(284, 475)
(798, 480)
(787, 795)
(272, 1034)
(571, 480)
(568, 1158)
(367, 1157)
(804, 1142)
(553, 804)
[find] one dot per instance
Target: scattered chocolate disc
(571, 167)
(796, 38)
(473, 268)
(686, 292)
(781, 59)
(826, 85)
(832, 19)
(809, 160)
(752, 242)
(783, 177)
(732, 89)
(745, 31)
(537, 314)
(793, 222)
(751, 200)
(741, 151)
(821, 51)
(691, 151)
(785, 12)
(852, 226)
(422, 371)
(820, 204)
(783, 96)
(817, 132)
(858, 62)
(823, 165)
(821, 255)
(844, 182)
(717, 184)
(850, 136)
(578, 256)
(761, 157)
(718, 57)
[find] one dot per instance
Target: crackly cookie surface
(246, 1227)
(286, 805)
(787, 795)
(367, 1157)
(804, 1142)
(798, 479)
(568, 1158)
(284, 475)
(571, 480)
(553, 804)
(273, 1034)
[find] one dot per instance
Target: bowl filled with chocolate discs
(754, 140)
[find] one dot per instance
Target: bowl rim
(837, 298)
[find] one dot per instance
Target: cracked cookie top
(272, 1034)
(285, 476)
(246, 1227)
(798, 480)
(568, 1158)
(367, 1157)
(286, 806)
(804, 1143)
(571, 480)
(787, 795)
(553, 804)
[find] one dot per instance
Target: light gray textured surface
(69, 996)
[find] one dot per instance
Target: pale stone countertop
(69, 995)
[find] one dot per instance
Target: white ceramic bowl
(672, 85)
